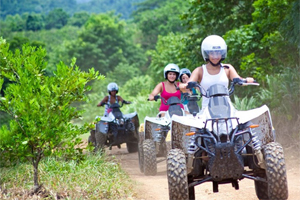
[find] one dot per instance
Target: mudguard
(178, 130)
(109, 118)
(262, 117)
(151, 123)
(102, 127)
(130, 115)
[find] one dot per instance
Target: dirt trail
(156, 187)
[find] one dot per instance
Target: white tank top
(107, 106)
(208, 80)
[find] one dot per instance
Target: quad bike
(152, 141)
(223, 145)
(115, 129)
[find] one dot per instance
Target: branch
(13, 115)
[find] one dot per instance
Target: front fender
(130, 115)
(262, 117)
(151, 123)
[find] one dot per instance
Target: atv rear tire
(162, 150)
(140, 152)
(141, 158)
(92, 138)
(275, 173)
(177, 175)
(132, 147)
(100, 141)
(150, 165)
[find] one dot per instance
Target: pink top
(166, 95)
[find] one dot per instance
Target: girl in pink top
(168, 88)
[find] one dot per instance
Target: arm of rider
(196, 76)
(120, 99)
(126, 102)
(156, 91)
(182, 87)
(102, 103)
(233, 74)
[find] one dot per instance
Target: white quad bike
(223, 145)
(115, 129)
(153, 137)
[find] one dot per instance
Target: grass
(98, 177)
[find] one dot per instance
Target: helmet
(171, 68)
(213, 43)
(184, 71)
(112, 87)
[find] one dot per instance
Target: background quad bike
(154, 135)
(114, 133)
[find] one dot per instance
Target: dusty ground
(156, 187)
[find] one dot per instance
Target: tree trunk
(35, 163)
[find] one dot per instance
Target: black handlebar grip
(191, 85)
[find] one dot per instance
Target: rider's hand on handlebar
(155, 98)
(191, 85)
(150, 98)
(101, 104)
(250, 80)
(182, 86)
(245, 81)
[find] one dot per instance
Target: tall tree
(79, 19)
(35, 22)
(205, 18)
(156, 18)
(259, 48)
(15, 23)
(290, 27)
(56, 18)
(104, 44)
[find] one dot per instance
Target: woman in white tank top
(214, 51)
(210, 79)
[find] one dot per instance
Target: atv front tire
(275, 173)
(150, 165)
(177, 175)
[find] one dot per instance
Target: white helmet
(112, 87)
(184, 71)
(213, 43)
(171, 68)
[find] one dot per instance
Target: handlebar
(172, 100)
(120, 105)
(240, 81)
(156, 97)
(235, 81)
